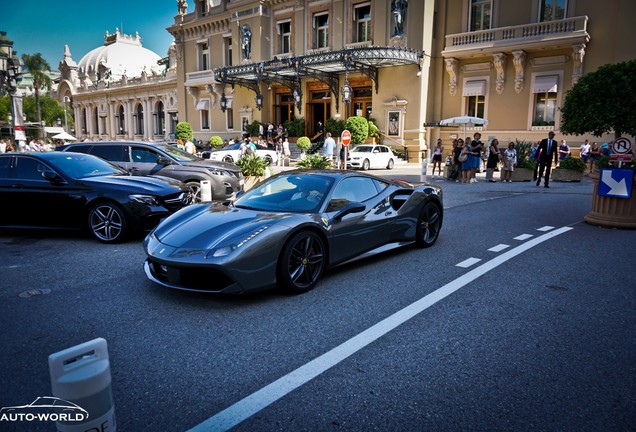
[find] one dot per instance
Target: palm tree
(38, 67)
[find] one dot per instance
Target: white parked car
(232, 153)
(371, 156)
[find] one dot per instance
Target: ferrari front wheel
(301, 263)
(428, 225)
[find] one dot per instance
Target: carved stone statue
(182, 6)
(398, 17)
(246, 41)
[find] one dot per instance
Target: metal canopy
(324, 66)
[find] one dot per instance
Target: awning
(475, 88)
(203, 105)
(53, 129)
(545, 84)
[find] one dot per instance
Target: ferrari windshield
(297, 193)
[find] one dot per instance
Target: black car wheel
(366, 165)
(195, 187)
(428, 225)
(228, 159)
(301, 263)
(391, 164)
(107, 222)
(268, 160)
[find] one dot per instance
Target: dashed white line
(499, 248)
(545, 228)
(259, 400)
(524, 237)
(467, 263)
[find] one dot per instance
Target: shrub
(523, 161)
(216, 141)
(314, 161)
(573, 164)
(373, 130)
(295, 127)
(252, 165)
(183, 131)
(253, 128)
(359, 128)
(303, 143)
(315, 147)
(334, 126)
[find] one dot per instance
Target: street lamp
(223, 102)
(259, 101)
(10, 75)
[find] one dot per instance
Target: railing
(519, 33)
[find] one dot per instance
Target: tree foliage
(359, 128)
(602, 101)
(183, 131)
(216, 141)
(303, 143)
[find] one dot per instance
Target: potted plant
(253, 168)
(569, 170)
(303, 145)
(183, 131)
(314, 161)
(602, 102)
(524, 171)
(216, 141)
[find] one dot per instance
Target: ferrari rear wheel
(428, 225)
(301, 263)
(366, 165)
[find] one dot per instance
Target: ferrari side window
(352, 189)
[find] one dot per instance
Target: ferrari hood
(204, 226)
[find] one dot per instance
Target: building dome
(121, 54)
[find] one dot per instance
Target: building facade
(121, 90)
(409, 64)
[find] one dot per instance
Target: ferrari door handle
(133, 169)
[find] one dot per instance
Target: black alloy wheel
(428, 225)
(107, 222)
(301, 263)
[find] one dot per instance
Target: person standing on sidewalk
(329, 147)
(548, 151)
(493, 160)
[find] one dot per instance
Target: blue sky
(46, 26)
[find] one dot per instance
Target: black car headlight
(229, 246)
(220, 172)
(144, 199)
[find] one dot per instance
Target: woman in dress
(437, 156)
(493, 160)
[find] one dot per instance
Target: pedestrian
(3, 146)
(329, 147)
(458, 144)
(595, 153)
(564, 150)
(533, 155)
(190, 147)
(286, 151)
(493, 159)
(548, 151)
(279, 151)
(466, 163)
(342, 156)
(585, 151)
(437, 156)
(510, 162)
(476, 146)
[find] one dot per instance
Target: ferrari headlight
(220, 172)
(144, 199)
(235, 243)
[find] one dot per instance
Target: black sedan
(74, 190)
(288, 229)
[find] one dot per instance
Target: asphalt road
(536, 335)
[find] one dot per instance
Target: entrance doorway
(318, 110)
(284, 108)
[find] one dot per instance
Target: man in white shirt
(329, 147)
(190, 147)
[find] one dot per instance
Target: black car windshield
(296, 193)
(79, 165)
(177, 154)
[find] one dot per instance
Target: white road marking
(467, 263)
(499, 248)
(259, 400)
(545, 228)
(524, 237)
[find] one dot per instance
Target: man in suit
(548, 150)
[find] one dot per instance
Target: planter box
(566, 175)
(519, 174)
(250, 181)
(610, 211)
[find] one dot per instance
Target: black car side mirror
(163, 160)
(52, 176)
(351, 207)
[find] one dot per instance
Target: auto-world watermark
(44, 409)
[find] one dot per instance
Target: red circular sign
(622, 146)
(345, 137)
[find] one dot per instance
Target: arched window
(139, 120)
(121, 122)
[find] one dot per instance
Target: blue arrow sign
(616, 183)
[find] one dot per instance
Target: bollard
(424, 167)
(206, 191)
(81, 375)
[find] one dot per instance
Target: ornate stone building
(121, 90)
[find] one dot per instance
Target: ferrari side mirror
(351, 207)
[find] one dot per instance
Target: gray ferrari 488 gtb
(288, 229)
